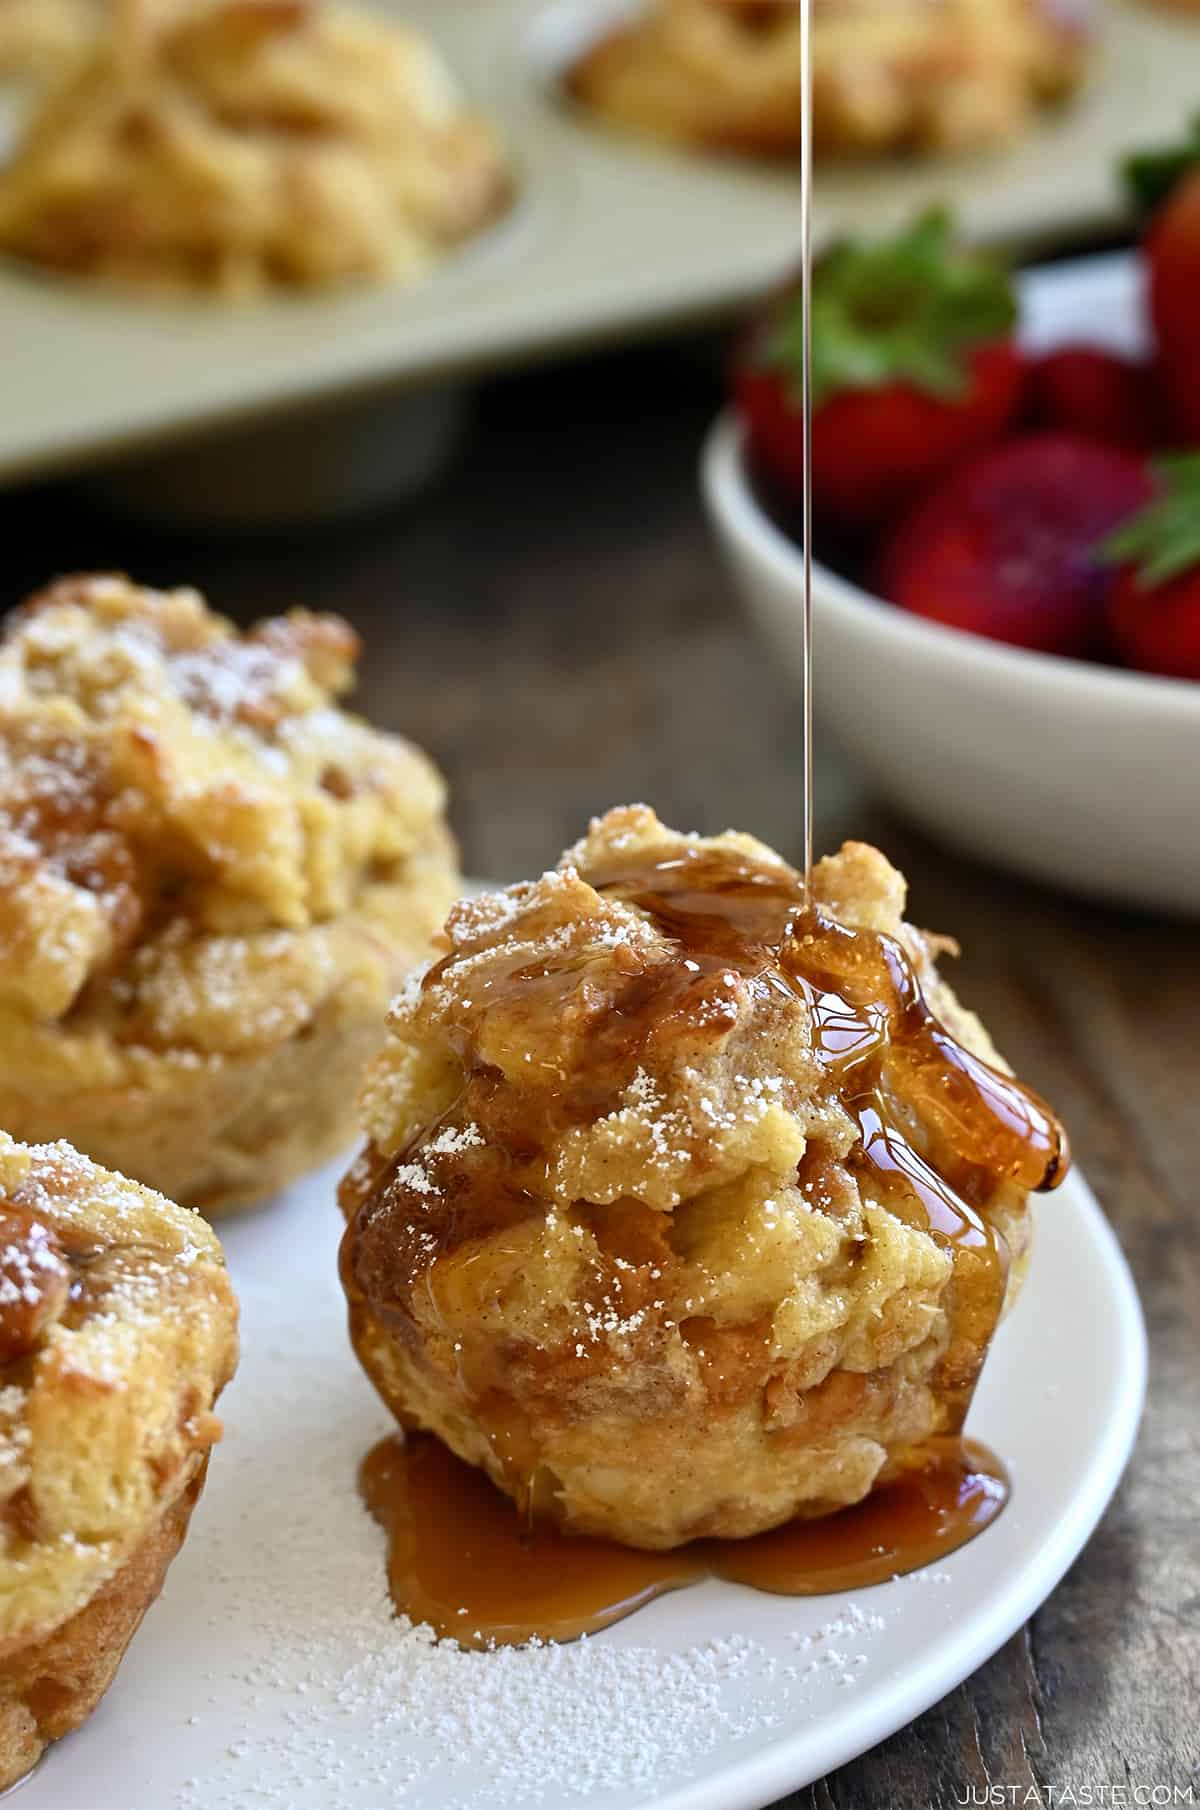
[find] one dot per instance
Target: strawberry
(1006, 547)
(1099, 394)
(1171, 247)
(913, 368)
(1154, 610)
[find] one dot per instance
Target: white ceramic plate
(610, 236)
(270, 1675)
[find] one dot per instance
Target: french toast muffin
(689, 1204)
(118, 1331)
(212, 879)
(235, 147)
(938, 75)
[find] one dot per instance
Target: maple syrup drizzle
(462, 1558)
(806, 406)
(939, 1129)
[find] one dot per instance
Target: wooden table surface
(551, 622)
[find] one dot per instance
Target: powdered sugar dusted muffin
(212, 879)
(687, 1205)
(118, 1330)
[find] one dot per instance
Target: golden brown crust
(235, 146)
(658, 1295)
(887, 74)
(213, 880)
(51, 1685)
(118, 1330)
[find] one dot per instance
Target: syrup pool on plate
(462, 1558)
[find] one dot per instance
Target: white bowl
(1083, 776)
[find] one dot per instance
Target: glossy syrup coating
(688, 1206)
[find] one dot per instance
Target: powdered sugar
(452, 1140)
(25, 1267)
(415, 1177)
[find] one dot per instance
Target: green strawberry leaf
(1163, 539)
(1151, 175)
(903, 309)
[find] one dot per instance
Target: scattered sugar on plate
(345, 1702)
(363, 1709)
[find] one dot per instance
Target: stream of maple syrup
(939, 1133)
(806, 421)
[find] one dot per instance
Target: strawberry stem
(902, 309)
(1150, 176)
(1163, 539)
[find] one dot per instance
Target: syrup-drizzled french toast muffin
(687, 1206)
(118, 1331)
(238, 146)
(213, 880)
(887, 74)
